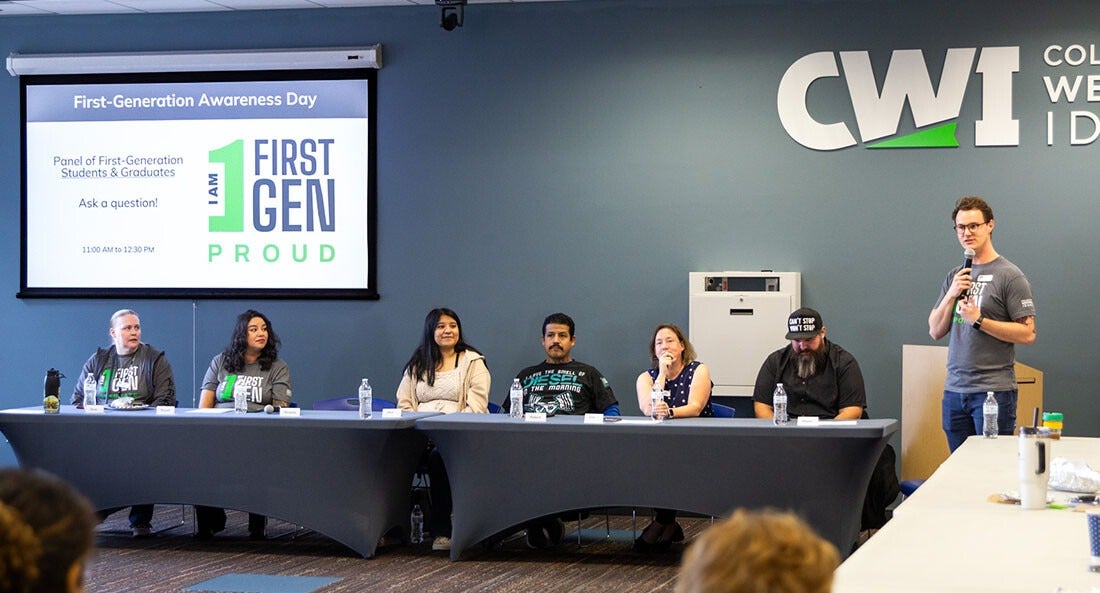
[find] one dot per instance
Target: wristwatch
(978, 322)
(671, 414)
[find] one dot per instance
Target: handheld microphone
(968, 262)
(270, 409)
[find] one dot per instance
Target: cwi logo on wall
(878, 113)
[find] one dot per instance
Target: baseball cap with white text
(804, 324)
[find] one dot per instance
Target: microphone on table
(968, 262)
(270, 409)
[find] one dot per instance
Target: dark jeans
(212, 520)
(664, 516)
(140, 514)
(440, 488)
(962, 415)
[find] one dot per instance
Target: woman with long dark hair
(444, 374)
(250, 364)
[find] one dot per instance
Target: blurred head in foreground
(758, 552)
(45, 533)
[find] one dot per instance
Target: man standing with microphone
(986, 307)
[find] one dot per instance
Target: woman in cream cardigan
(444, 374)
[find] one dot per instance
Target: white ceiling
(53, 7)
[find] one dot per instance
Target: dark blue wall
(585, 156)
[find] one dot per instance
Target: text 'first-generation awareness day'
(172, 100)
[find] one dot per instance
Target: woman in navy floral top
(687, 383)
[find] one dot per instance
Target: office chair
(352, 404)
(722, 410)
(908, 487)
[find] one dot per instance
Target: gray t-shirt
(976, 361)
(261, 387)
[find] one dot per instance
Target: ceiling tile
(172, 5)
(76, 6)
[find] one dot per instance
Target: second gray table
(504, 472)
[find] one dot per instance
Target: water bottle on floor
(416, 525)
(779, 405)
(990, 411)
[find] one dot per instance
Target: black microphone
(968, 262)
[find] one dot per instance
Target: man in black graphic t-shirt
(561, 385)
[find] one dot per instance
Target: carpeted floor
(172, 561)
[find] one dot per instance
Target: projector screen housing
(321, 58)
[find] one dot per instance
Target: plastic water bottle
(779, 405)
(240, 400)
(515, 400)
(89, 390)
(656, 396)
(990, 411)
(366, 395)
(416, 525)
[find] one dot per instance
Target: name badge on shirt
(985, 278)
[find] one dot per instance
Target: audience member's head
(758, 552)
(46, 532)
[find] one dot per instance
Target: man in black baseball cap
(820, 378)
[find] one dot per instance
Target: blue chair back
(351, 403)
(377, 405)
(495, 408)
(337, 403)
(722, 411)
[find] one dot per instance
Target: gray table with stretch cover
(504, 472)
(346, 478)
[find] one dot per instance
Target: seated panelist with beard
(821, 379)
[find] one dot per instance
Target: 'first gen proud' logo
(292, 191)
(878, 115)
